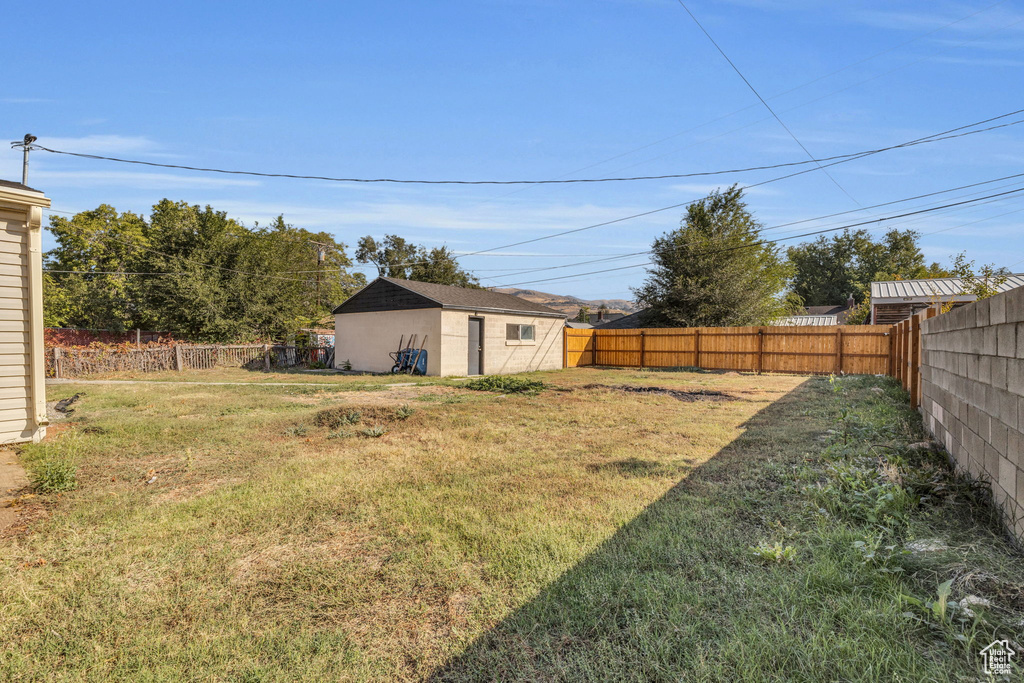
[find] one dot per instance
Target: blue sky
(512, 89)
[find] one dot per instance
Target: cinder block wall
(972, 393)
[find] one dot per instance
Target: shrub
(404, 412)
(335, 418)
(506, 384)
(374, 432)
(297, 430)
(55, 475)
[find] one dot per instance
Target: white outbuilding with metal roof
(895, 300)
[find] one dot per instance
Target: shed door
(476, 346)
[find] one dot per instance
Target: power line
(936, 137)
(612, 257)
(781, 94)
(669, 176)
(765, 103)
(781, 239)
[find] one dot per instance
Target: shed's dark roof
(393, 294)
(17, 186)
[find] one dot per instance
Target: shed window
(519, 332)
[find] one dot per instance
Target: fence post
(760, 350)
(594, 351)
(839, 350)
(696, 349)
(56, 361)
(915, 361)
(266, 357)
(642, 348)
(179, 362)
(565, 347)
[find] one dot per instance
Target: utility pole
(321, 258)
(26, 146)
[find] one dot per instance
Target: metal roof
(805, 320)
(947, 287)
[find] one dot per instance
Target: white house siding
(22, 381)
(365, 339)
(501, 356)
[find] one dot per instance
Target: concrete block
(1006, 340)
(981, 312)
(1015, 305)
(997, 309)
(985, 369)
(1015, 376)
(989, 343)
(991, 461)
(1015, 449)
(999, 437)
(1008, 476)
(1008, 409)
(998, 373)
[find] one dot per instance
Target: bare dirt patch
(679, 394)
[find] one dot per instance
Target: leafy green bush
(55, 475)
(335, 418)
(404, 411)
(374, 432)
(505, 384)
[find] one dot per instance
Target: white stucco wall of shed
(366, 339)
(500, 356)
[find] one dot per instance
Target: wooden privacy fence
(76, 362)
(906, 353)
(851, 349)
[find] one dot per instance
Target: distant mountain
(570, 305)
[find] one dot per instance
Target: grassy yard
(750, 529)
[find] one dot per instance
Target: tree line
(203, 276)
(717, 269)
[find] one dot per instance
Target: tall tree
(830, 269)
(98, 247)
(392, 255)
(395, 257)
(714, 270)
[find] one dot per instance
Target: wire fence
(79, 362)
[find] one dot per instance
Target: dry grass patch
(263, 554)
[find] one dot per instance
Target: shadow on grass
(674, 593)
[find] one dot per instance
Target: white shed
(466, 331)
(22, 366)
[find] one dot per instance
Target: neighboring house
(464, 331)
(598, 317)
(820, 315)
(573, 325)
(626, 322)
(22, 361)
(808, 320)
(896, 300)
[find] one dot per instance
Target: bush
(505, 384)
(55, 475)
(404, 411)
(336, 418)
(375, 432)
